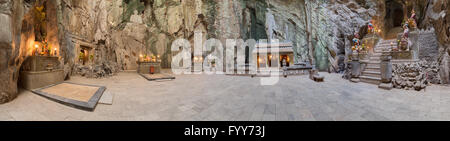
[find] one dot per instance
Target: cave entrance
(257, 25)
(397, 22)
(395, 15)
(84, 55)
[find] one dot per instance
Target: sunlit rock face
(12, 49)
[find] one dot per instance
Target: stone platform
(40, 71)
(36, 79)
(157, 77)
(79, 96)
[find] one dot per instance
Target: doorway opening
(284, 61)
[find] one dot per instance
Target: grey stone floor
(220, 97)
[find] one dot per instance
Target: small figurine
(405, 36)
(370, 27)
(412, 19)
(356, 42)
(406, 30)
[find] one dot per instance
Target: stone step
(387, 43)
(370, 80)
(375, 58)
(372, 68)
(373, 64)
(374, 61)
(372, 73)
(384, 41)
(381, 50)
(377, 55)
(385, 46)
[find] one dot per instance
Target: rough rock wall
(89, 21)
(345, 18)
(317, 28)
(415, 75)
(12, 52)
(428, 46)
(435, 15)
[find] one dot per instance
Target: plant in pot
(81, 57)
(91, 57)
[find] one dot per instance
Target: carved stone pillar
(386, 71)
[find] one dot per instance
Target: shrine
(149, 67)
(149, 64)
(85, 50)
(42, 67)
(278, 55)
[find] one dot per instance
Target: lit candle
(36, 50)
(55, 52)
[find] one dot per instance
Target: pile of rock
(347, 72)
(415, 75)
(96, 71)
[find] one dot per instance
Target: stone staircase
(372, 74)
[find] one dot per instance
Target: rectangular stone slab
(79, 96)
(155, 77)
(107, 98)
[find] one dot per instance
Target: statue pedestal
(386, 72)
(356, 68)
(41, 71)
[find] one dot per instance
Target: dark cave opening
(394, 14)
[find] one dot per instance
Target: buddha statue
(135, 18)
